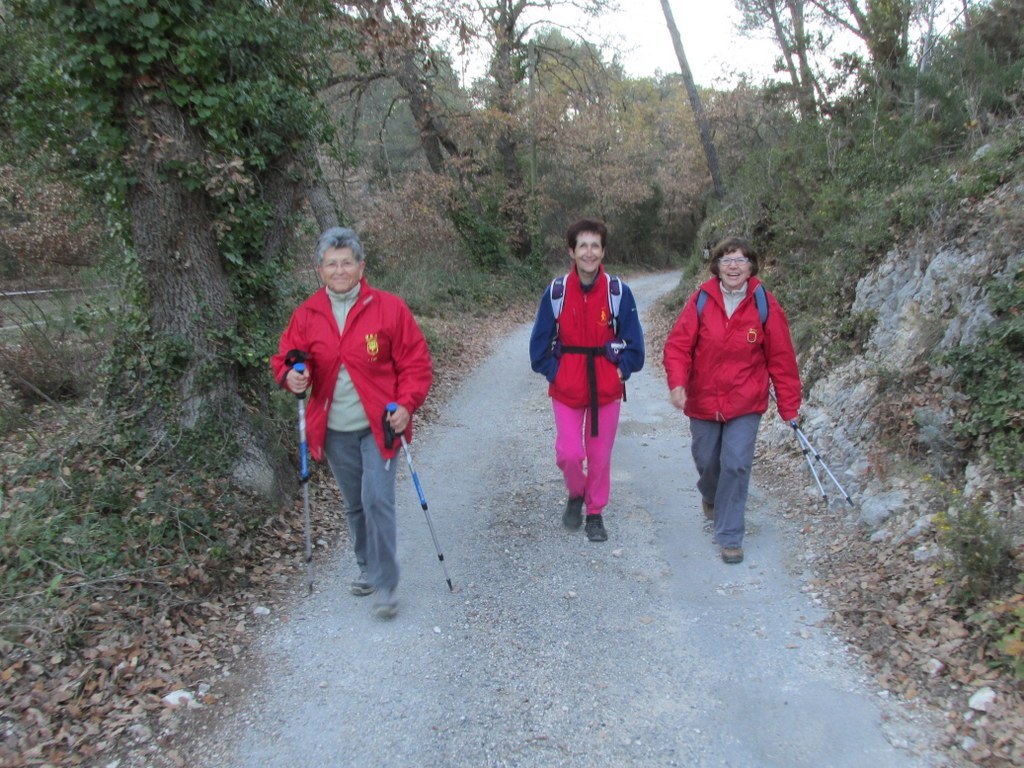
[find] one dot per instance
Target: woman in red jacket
(730, 343)
(363, 350)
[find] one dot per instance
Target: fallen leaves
(900, 617)
(87, 684)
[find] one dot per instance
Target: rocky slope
(884, 421)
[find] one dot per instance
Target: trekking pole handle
(389, 431)
(295, 360)
(303, 459)
(300, 368)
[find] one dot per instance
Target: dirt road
(645, 650)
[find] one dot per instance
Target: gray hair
(339, 237)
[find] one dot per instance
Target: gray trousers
(368, 487)
(723, 453)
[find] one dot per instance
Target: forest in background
(172, 162)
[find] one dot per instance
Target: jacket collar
(321, 302)
(574, 277)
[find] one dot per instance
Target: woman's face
(587, 254)
(339, 270)
(733, 269)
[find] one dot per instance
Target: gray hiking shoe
(572, 518)
(732, 555)
(709, 510)
(361, 586)
(595, 528)
(385, 604)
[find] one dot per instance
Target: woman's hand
(399, 419)
(297, 382)
(678, 397)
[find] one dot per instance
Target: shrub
(1002, 621)
(979, 545)
(989, 374)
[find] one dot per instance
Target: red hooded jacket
(382, 348)
(726, 363)
(585, 322)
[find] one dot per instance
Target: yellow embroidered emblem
(752, 336)
(372, 348)
(604, 316)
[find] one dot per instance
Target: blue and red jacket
(585, 321)
(382, 348)
(725, 363)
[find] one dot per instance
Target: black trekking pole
(389, 438)
(295, 360)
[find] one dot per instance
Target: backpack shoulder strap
(614, 300)
(761, 299)
(702, 299)
(558, 295)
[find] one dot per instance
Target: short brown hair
(577, 228)
(728, 245)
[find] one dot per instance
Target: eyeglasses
(331, 265)
(734, 260)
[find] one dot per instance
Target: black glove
(389, 432)
(556, 348)
(294, 357)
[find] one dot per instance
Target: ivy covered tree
(194, 120)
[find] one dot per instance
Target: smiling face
(587, 255)
(733, 269)
(340, 270)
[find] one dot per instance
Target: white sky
(714, 50)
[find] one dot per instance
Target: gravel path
(645, 650)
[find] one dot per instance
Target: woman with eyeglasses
(729, 346)
(361, 349)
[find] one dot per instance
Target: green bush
(990, 373)
(979, 545)
(100, 508)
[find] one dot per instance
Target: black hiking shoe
(572, 518)
(595, 528)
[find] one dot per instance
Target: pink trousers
(586, 461)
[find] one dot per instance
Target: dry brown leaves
(897, 612)
(89, 691)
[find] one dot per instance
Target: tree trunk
(191, 303)
(696, 104)
(515, 205)
(807, 102)
(321, 201)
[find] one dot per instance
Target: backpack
(614, 298)
(760, 298)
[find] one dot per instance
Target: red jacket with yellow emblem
(585, 321)
(726, 363)
(382, 348)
